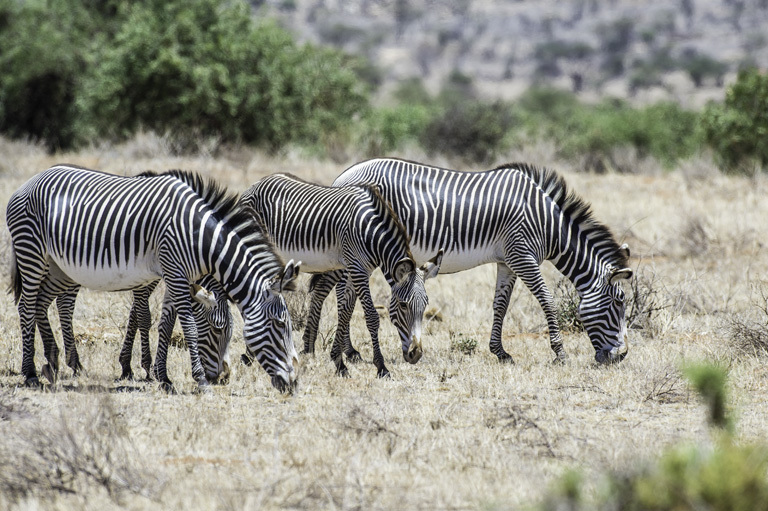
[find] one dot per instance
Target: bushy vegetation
(77, 73)
(738, 128)
(726, 477)
(200, 68)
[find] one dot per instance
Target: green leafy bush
(43, 51)
(78, 71)
(472, 131)
(738, 128)
(204, 65)
(686, 478)
(389, 129)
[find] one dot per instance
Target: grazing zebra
(105, 232)
(516, 216)
(210, 308)
(354, 229)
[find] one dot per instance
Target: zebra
(83, 227)
(210, 308)
(349, 228)
(517, 216)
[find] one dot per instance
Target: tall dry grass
(457, 430)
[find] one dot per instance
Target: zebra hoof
(32, 382)
(126, 376)
(353, 357)
(307, 353)
(342, 372)
(49, 373)
(560, 360)
(383, 373)
(506, 358)
(167, 387)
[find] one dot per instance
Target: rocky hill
(645, 50)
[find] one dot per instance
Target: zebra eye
(279, 324)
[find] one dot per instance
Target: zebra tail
(15, 286)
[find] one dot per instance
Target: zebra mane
(374, 191)
(576, 209)
(227, 208)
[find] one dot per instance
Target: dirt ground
(455, 431)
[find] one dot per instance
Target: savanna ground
(456, 431)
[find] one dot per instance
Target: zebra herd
(73, 227)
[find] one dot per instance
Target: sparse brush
(666, 386)
(298, 306)
(463, 343)
(567, 305)
(71, 454)
(644, 301)
(750, 336)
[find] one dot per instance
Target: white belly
(314, 261)
(135, 274)
(455, 261)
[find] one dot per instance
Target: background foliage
(77, 73)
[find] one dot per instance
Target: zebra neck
(581, 263)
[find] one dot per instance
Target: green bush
(727, 477)
(204, 65)
(389, 129)
(664, 131)
(43, 52)
(472, 131)
(737, 129)
(78, 71)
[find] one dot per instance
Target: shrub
(206, 65)
(389, 129)
(43, 51)
(727, 477)
(737, 130)
(470, 130)
(463, 343)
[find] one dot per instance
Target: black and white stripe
(516, 216)
(112, 233)
(350, 228)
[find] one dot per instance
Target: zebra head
(409, 299)
(214, 327)
(268, 330)
(602, 312)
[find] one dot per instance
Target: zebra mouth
(614, 355)
(415, 353)
(284, 386)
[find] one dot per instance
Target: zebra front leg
(126, 352)
(345, 299)
(353, 356)
(530, 274)
(144, 321)
(360, 282)
(505, 282)
(164, 331)
(319, 287)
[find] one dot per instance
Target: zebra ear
(203, 296)
(403, 267)
(432, 267)
(286, 279)
(620, 274)
(624, 249)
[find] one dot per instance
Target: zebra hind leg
(320, 286)
(345, 298)
(65, 303)
(505, 282)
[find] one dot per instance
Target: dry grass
(456, 431)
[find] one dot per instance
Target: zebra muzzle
(414, 354)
